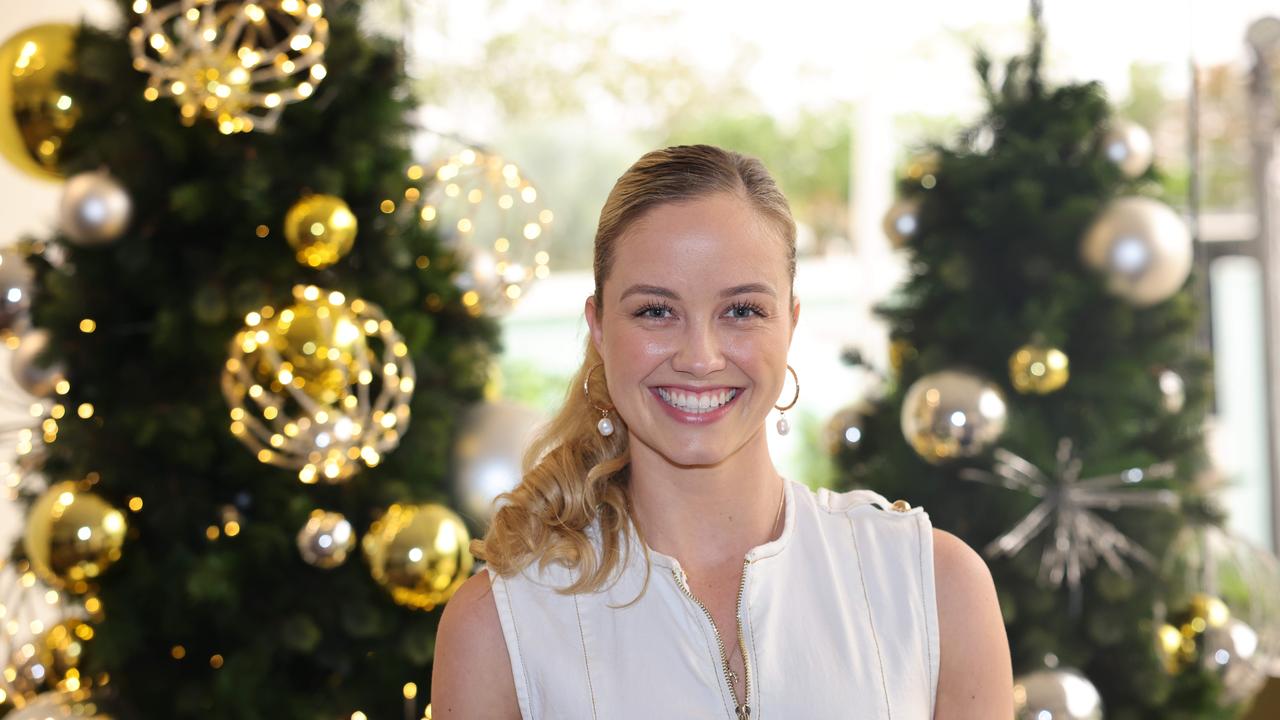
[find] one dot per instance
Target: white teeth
(696, 403)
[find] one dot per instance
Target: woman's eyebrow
(727, 292)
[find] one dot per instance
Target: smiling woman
(769, 598)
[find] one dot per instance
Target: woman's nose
(699, 352)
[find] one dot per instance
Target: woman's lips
(690, 418)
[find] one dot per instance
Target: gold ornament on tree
(321, 230)
(1038, 368)
(1142, 247)
(52, 662)
(420, 553)
(309, 387)
(72, 536)
(35, 114)
(484, 209)
(56, 705)
(952, 414)
(238, 62)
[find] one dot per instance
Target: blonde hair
(573, 475)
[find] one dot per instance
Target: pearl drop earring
(784, 427)
(605, 425)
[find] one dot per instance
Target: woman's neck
(707, 516)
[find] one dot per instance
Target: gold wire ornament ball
(485, 209)
(605, 425)
(237, 62)
(322, 386)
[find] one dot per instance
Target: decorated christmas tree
(1045, 401)
(250, 342)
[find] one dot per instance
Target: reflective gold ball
(1181, 640)
(419, 553)
(59, 652)
(72, 536)
(1038, 369)
(35, 114)
(321, 229)
(951, 414)
(322, 349)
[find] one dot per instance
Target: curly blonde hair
(571, 474)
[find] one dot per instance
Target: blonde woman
(652, 563)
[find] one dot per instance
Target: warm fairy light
(232, 528)
(357, 715)
(410, 691)
(215, 662)
(387, 206)
(135, 503)
(85, 411)
(188, 49)
(212, 532)
(87, 325)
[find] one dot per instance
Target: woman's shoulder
(472, 675)
(862, 499)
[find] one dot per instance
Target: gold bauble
(35, 114)
(72, 536)
(951, 414)
(321, 347)
(419, 553)
(54, 660)
(321, 230)
(1038, 369)
(1181, 639)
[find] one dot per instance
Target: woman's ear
(593, 322)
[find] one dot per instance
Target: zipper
(743, 709)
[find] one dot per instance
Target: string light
(238, 63)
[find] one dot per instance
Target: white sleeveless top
(838, 615)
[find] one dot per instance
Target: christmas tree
(1046, 402)
(251, 349)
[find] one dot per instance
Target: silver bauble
(1173, 390)
(16, 281)
(902, 221)
(1061, 694)
(1143, 248)
(951, 414)
(846, 429)
(38, 380)
(1232, 653)
(488, 453)
(326, 539)
(94, 209)
(1128, 145)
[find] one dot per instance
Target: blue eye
(652, 306)
(759, 311)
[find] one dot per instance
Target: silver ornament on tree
(95, 209)
(16, 281)
(847, 427)
(1067, 510)
(1142, 247)
(1128, 146)
(951, 414)
(326, 539)
(902, 221)
(1173, 391)
(37, 379)
(1060, 694)
(488, 452)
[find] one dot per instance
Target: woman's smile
(696, 408)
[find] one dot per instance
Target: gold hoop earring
(605, 426)
(784, 427)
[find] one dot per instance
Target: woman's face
(695, 327)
